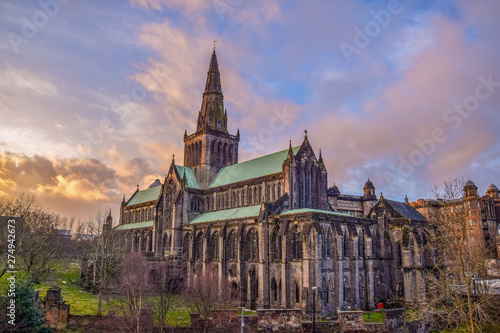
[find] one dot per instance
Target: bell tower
(211, 147)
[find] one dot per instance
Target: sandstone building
(481, 213)
(271, 225)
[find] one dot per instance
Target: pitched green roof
(137, 225)
(150, 194)
(258, 167)
(190, 176)
(228, 214)
(311, 210)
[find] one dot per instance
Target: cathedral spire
(213, 76)
(212, 115)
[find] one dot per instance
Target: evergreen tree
(28, 317)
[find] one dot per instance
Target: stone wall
(394, 319)
(351, 320)
(279, 321)
(109, 323)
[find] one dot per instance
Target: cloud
(28, 82)
(84, 66)
(85, 179)
(398, 120)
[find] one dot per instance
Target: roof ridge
(254, 168)
(256, 158)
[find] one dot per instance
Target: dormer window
(219, 124)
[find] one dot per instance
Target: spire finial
(290, 150)
(305, 134)
(173, 158)
(215, 41)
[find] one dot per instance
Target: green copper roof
(228, 214)
(258, 167)
(190, 176)
(150, 194)
(310, 210)
(137, 225)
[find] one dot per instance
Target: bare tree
(35, 250)
(459, 255)
(206, 293)
(167, 279)
(102, 261)
(134, 286)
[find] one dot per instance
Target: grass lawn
(65, 276)
(83, 302)
(374, 317)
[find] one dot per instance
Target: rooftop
(190, 176)
(258, 167)
(228, 214)
(150, 194)
(406, 210)
(311, 210)
(137, 225)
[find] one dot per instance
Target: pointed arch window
(213, 247)
(361, 244)
(274, 290)
(326, 291)
(296, 243)
(219, 153)
(231, 246)
(198, 250)
(347, 289)
(252, 245)
(212, 152)
(276, 244)
(185, 246)
(346, 244)
(230, 154)
(400, 291)
(328, 245)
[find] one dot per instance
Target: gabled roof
(137, 225)
(258, 167)
(150, 194)
(311, 210)
(406, 210)
(228, 214)
(190, 176)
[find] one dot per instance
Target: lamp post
(242, 320)
(314, 308)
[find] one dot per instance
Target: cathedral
(271, 225)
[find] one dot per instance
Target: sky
(95, 96)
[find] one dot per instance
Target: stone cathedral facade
(273, 227)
